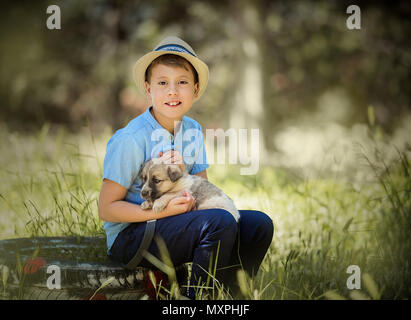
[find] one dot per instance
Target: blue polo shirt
(142, 139)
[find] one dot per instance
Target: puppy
(163, 182)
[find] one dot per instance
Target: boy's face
(172, 91)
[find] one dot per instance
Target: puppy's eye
(156, 181)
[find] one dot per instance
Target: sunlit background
(331, 104)
(293, 70)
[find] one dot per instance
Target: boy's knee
(265, 225)
(268, 224)
(221, 219)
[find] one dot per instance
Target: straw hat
(171, 45)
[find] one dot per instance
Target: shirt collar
(154, 123)
(149, 117)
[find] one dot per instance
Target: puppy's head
(158, 178)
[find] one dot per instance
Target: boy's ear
(196, 87)
(147, 85)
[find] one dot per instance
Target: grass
(323, 224)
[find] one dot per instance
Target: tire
(83, 264)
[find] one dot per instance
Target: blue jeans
(197, 235)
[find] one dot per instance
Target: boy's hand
(179, 205)
(173, 157)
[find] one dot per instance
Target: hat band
(174, 47)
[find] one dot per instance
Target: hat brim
(142, 64)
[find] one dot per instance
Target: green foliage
(314, 74)
(51, 184)
(83, 71)
(322, 225)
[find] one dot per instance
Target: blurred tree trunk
(114, 37)
(248, 102)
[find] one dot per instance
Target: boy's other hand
(182, 204)
(173, 157)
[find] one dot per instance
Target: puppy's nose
(145, 193)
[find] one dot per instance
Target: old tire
(83, 266)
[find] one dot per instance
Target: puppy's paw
(158, 206)
(146, 205)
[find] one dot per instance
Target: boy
(173, 77)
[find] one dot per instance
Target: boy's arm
(113, 208)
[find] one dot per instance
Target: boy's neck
(166, 123)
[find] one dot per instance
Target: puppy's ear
(143, 169)
(174, 172)
(140, 172)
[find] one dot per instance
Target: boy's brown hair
(171, 60)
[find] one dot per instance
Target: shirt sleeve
(201, 162)
(123, 160)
